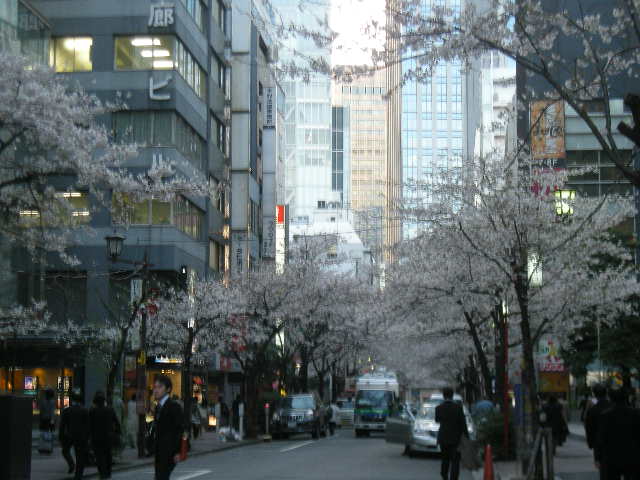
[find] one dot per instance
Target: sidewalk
(573, 461)
(53, 467)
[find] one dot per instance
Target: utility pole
(141, 363)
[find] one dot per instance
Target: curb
(146, 463)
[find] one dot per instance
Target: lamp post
(115, 244)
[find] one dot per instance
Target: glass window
(125, 209)
(160, 213)
(71, 54)
(145, 52)
(218, 14)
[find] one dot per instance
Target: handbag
(184, 447)
(468, 454)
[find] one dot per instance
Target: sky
(349, 18)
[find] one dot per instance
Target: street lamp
(115, 243)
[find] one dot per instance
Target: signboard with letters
(281, 234)
(547, 129)
(161, 15)
(549, 359)
(269, 107)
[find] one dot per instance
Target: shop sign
(269, 113)
(165, 359)
(161, 15)
(549, 359)
(547, 130)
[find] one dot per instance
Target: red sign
(280, 214)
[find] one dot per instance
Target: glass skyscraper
(440, 117)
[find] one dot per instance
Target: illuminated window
(71, 54)
(71, 210)
(564, 201)
(159, 52)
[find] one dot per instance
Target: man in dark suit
(169, 423)
(105, 433)
(618, 443)
(453, 425)
(74, 433)
(592, 418)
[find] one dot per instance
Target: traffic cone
(488, 464)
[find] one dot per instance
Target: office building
(169, 62)
(360, 109)
(440, 118)
(253, 54)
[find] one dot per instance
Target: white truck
(376, 394)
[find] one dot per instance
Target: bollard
(241, 421)
(267, 437)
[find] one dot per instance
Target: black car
(300, 413)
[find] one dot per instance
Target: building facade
(361, 117)
(169, 62)
(440, 118)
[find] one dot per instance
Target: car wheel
(316, 433)
(358, 433)
(410, 452)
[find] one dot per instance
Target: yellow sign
(547, 129)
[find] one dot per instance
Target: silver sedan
(418, 430)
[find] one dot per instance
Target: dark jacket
(618, 441)
(104, 426)
(74, 425)
(555, 420)
(591, 421)
(452, 422)
(169, 428)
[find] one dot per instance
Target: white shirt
(163, 400)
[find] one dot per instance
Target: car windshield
(374, 399)
(298, 402)
(427, 412)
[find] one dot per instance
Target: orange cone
(488, 463)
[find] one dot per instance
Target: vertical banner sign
(280, 236)
(269, 100)
(547, 129)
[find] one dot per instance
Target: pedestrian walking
(453, 426)
(585, 403)
(555, 419)
(105, 433)
(196, 418)
(74, 433)
(169, 428)
(47, 407)
(235, 406)
(132, 422)
(617, 450)
(334, 412)
(592, 419)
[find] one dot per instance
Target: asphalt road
(341, 457)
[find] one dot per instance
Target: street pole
(141, 364)
(505, 388)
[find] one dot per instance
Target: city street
(340, 457)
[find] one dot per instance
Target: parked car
(301, 413)
(418, 430)
(346, 406)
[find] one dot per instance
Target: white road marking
(298, 445)
(193, 474)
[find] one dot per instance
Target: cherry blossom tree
(52, 142)
(191, 324)
(540, 255)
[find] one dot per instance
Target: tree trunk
(529, 369)
(115, 366)
(481, 354)
(186, 382)
(251, 402)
